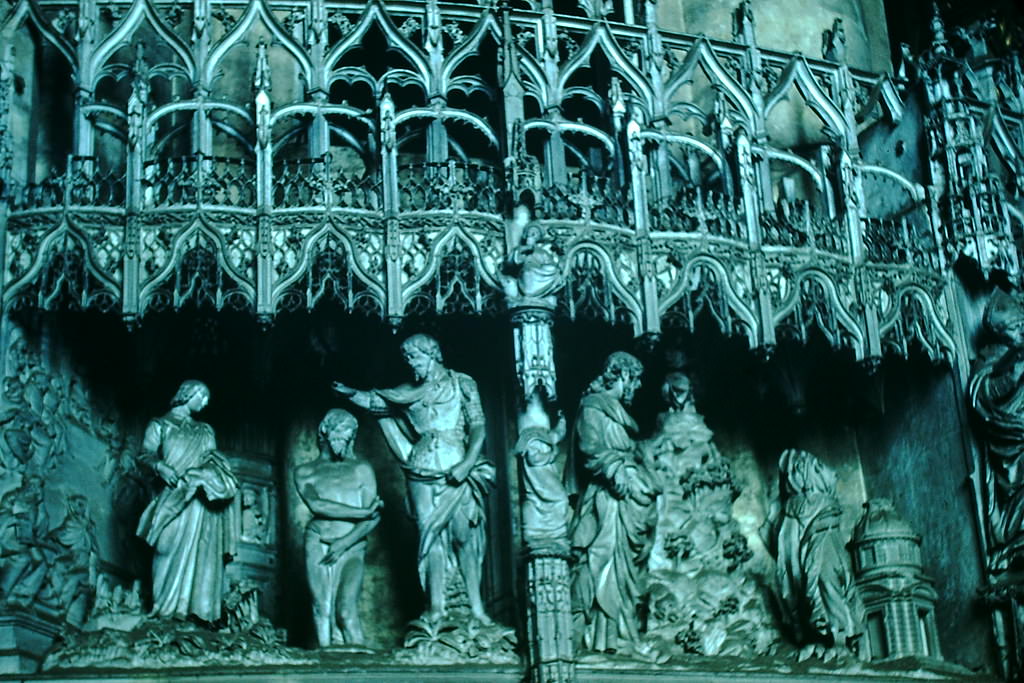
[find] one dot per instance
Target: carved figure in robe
(341, 491)
(815, 574)
(435, 427)
(535, 265)
(191, 524)
(76, 548)
(996, 392)
(611, 530)
(24, 525)
(545, 501)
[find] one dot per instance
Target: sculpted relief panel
(634, 555)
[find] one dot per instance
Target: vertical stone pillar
(548, 598)
(534, 349)
(549, 618)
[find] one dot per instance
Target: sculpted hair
(1003, 313)
(187, 390)
(336, 417)
(618, 364)
(424, 343)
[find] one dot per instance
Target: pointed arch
(28, 10)
(200, 230)
(140, 11)
(731, 299)
(309, 254)
(257, 9)
(797, 73)
(374, 14)
(600, 36)
(846, 326)
(702, 55)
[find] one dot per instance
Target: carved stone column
(549, 619)
(545, 505)
(534, 348)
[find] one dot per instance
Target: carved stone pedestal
(535, 351)
(24, 641)
(549, 620)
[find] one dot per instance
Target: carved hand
(458, 474)
(375, 507)
(167, 473)
(342, 389)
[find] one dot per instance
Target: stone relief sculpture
(24, 523)
(341, 491)
(533, 264)
(46, 570)
(435, 428)
(254, 515)
(74, 561)
(701, 599)
(545, 501)
(816, 580)
(615, 515)
(996, 392)
(191, 524)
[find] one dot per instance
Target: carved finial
(140, 67)
(262, 81)
(939, 42)
(743, 24)
(833, 42)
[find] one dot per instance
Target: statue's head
(421, 352)
(1004, 317)
(621, 374)
(337, 431)
(675, 390)
(191, 393)
(77, 505)
(532, 234)
(802, 473)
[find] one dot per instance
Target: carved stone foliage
(701, 599)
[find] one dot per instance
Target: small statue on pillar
(545, 502)
(533, 266)
(341, 491)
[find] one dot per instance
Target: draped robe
(427, 428)
(997, 394)
(610, 531)
(192, 526)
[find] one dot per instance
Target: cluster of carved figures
(656, 562)
(657, 559)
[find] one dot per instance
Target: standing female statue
(816, 581)
(191, 524)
